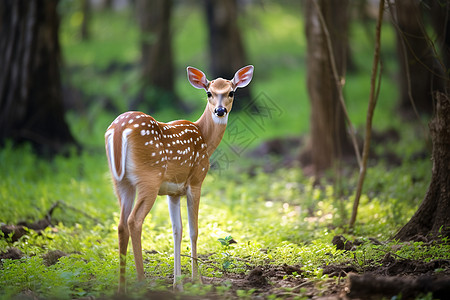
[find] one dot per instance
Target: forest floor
(391, 277)
(418, 269)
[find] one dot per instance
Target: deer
(148, 158)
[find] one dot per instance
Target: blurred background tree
(226, 49)
(432, 218)
(31, 107)
(420, 71)
(157, 75)
(329, 141)
(86, 10)
(427, 84)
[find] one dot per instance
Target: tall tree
(31, 106)
(226, 49)
(419, 71)
(432, 216)
(157, 73)
(328, 135)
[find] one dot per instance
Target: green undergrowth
(275, 218)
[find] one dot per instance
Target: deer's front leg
(193, 201)
(177, 230)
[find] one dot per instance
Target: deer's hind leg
(146, 196)
(126, 193)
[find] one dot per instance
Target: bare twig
(338, 82)
(48, 215)
(202, 261)
(77, 210)
(370, 110)
(406, 63)
(390, 253)
(428, 39)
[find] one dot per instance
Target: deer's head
(220, 91)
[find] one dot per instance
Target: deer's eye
(231, 94)
(209, 94)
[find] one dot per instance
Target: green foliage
(33, 185)
(279, 218)
(225, 241)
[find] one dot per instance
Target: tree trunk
(226, 50)
(433, 217)
(157, 73)
(419, 69)
(85, 24)
(328, 136)
(31, 107)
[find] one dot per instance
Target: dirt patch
(393, 267)
(256, 278)
(11, 253)
(284, 281)
(394, 276)
(52, 257)
(16, 231)
(370, 286)
(342, 243)
(389, 277)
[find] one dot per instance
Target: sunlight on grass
(279, 218)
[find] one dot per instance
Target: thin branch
(77, 210)
(370, 110)
(338, 82)
(202, 261)
(48, 215)
(406, 63)
(407, 45)
(390, 253)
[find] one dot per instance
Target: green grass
(277, 218)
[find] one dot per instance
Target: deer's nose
(220, 111)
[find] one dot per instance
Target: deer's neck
(212, 130)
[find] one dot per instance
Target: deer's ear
(197, 78)
(242, 77)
